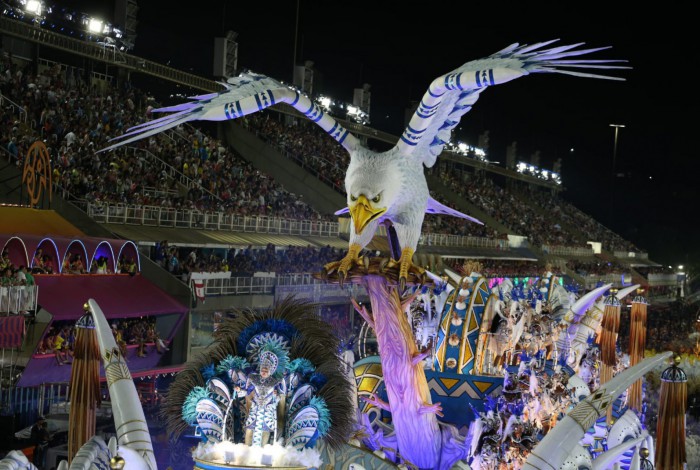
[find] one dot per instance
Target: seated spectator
(119, 339)
(77, 266)
(47, 264)
(101, 265)
(48, 343)
(38, 262)
(65, 266)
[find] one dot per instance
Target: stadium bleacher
(224, 206)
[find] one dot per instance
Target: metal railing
(566, 250)
(28, 403)
(443, 239)
(156, 216)
(239, 286)
(255, 285)
(630, 255)
(18, 299)
(662, 279)
(16, 109)
(617, 279)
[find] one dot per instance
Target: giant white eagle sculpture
(391, 185)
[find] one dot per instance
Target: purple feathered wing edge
(433, 207)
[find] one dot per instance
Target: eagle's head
(372, 183)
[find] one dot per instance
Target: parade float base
(207, 465)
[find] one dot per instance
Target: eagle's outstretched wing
(452, 95)
(246, 94)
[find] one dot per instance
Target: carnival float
(470, 373)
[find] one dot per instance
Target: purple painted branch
(376, 401)
(417, 431)
(364, 313)
(417, 359)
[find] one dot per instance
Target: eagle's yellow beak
(363, 213)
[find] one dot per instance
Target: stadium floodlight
(680, 267)
(532, 169)
(34, 7)
(521, 167)
(325, 102)
(107, 28)
(353, 110)
(463, 147)
(95, 25)
(117, 33)
(545, 174)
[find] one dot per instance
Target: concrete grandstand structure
(248, 195)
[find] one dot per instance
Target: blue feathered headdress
(189, 407)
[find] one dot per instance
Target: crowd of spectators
(141, 332)
(500, 268)
(338, 316)
(519, 216)
(73, 263)
(593, 230)
(646, 270)
(596, 267)
(244, 262)
(59, 340)
(76, 119)
(16, 287)
(670, 327)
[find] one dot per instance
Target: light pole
(612, 176)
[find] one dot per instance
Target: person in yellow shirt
(58, 347)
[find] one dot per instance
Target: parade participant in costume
(268, 388)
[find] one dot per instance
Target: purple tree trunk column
(415, 423)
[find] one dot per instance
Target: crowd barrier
(18, 299)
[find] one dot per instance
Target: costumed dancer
(268, 388)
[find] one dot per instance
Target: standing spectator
(40, 438)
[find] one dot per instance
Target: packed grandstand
(224, 217)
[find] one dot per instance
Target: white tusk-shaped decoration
(556, 446)
(585, 302)
(606, 459)
(622, 293)
(129, 419)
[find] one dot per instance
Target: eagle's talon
(402, 283)
(383, 263)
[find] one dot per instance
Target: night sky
(400, 52)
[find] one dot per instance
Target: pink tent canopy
(119, 296)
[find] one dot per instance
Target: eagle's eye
(353, 198)
(377, 198)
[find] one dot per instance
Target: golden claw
(406, 266)
(343, 266)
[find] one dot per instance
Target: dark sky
(399, 52)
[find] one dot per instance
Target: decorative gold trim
(130, 421)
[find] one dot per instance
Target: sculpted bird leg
(406, 266)
(344, 265)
